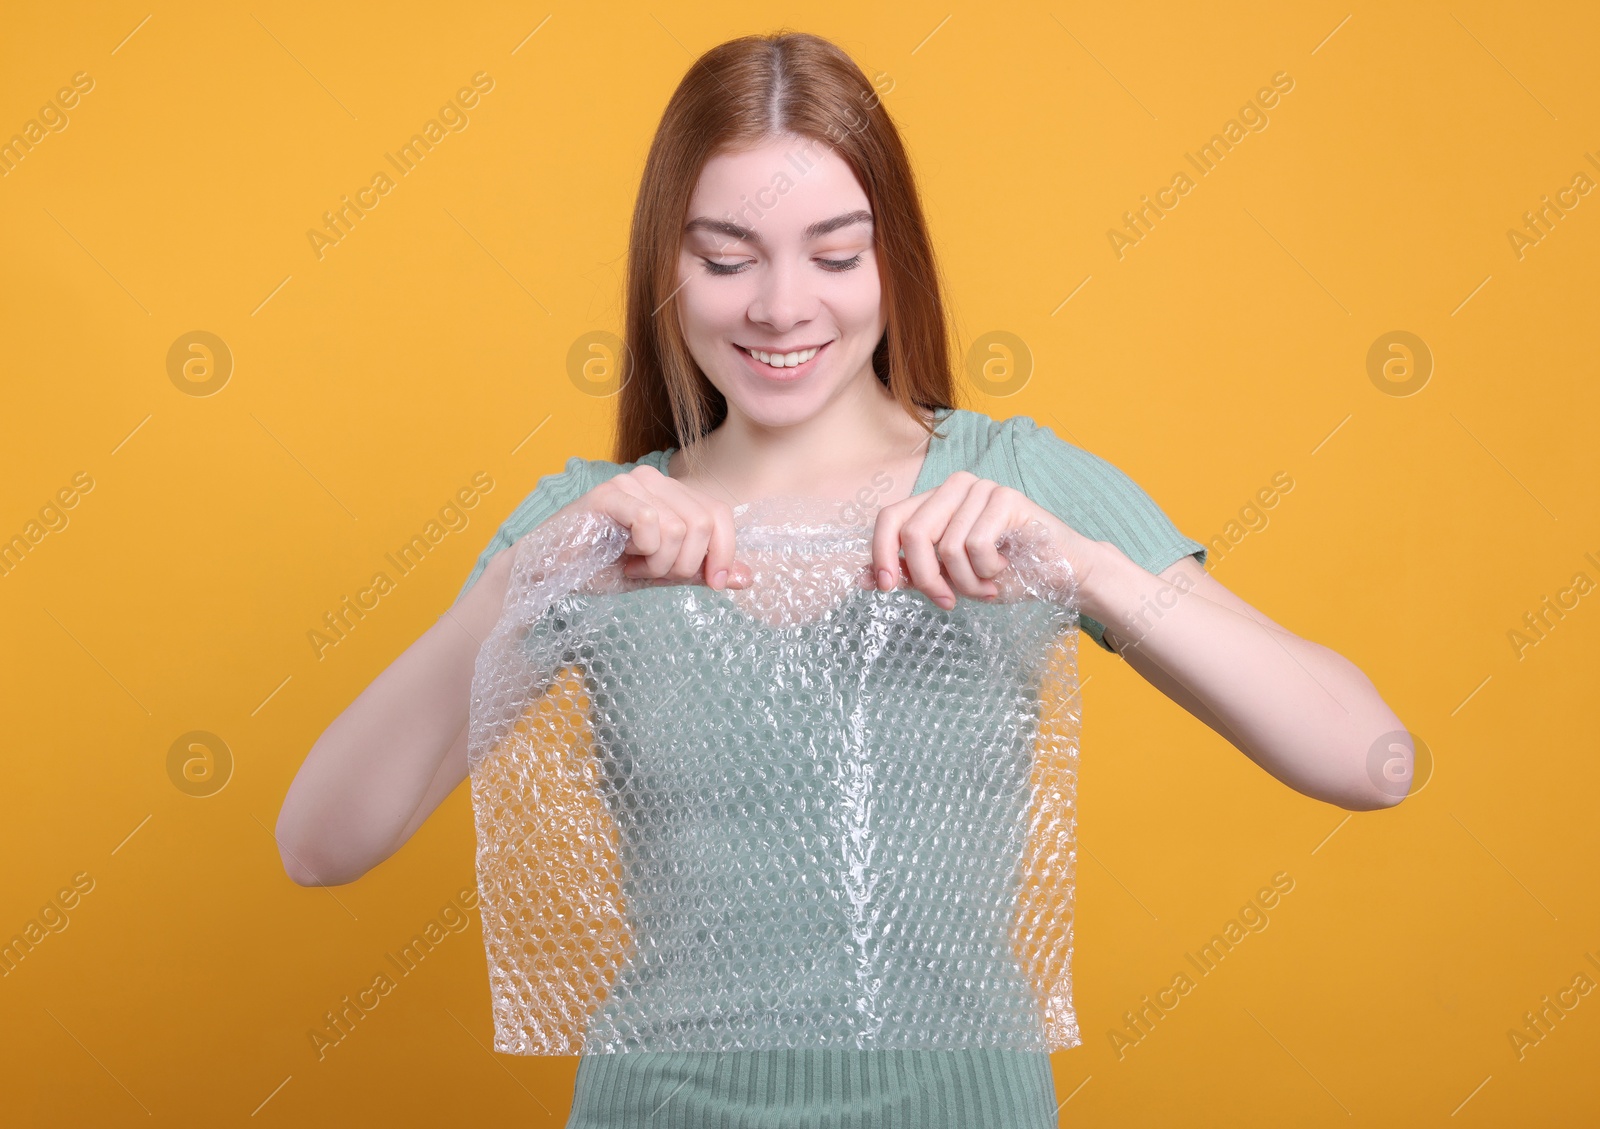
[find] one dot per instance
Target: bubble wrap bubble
(803, 814)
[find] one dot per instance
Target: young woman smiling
(798, 345)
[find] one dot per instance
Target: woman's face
(777, 259)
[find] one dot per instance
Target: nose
(784, 298)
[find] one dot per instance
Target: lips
(786, 372)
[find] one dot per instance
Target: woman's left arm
(1298, 709)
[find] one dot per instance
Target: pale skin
(783, 267)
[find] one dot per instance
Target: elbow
(296, 862)
(1391, 766)
(306, 863)
(298, 874)
(1382, 799)
(1388, 801)
(1368, 800)
(1387, 772)
(304, 873)
(295, 848)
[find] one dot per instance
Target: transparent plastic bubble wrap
(806, 813)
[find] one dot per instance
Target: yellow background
(372, 384)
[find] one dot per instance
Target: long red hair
(736, 95)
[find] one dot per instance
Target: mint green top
(834, 1087)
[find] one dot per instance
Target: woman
(784, 325)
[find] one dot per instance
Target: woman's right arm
(400, 748)
(395, 753)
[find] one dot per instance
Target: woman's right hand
(674, 530)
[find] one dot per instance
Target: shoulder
(550, 493)
(974, 442)
(1090, 493)
(576, 478)
(558, 488)
(1011, 451)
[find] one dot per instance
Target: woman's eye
(714, 267)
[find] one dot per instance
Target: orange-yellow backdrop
(1231, 344)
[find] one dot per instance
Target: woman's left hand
(949, 537)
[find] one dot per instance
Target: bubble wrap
(802, 814)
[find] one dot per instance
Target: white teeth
(783, 360)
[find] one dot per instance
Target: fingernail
(885, 580)
(720, 578)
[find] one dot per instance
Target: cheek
(710, 306)
(859, 299)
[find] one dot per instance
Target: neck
(860, 436)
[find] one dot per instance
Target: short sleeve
(550, 493)
(1098, 500)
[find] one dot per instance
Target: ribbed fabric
(815, 1089)
(884, 1089)
(1090, 494)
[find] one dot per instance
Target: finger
(709, 546)
(886, 540)
(671, 529)
(953, 552)
(656, 533)
(635, 511)
(706, 547)
(1002, 514)
(720, 567)
(922, 530)
(691, 556)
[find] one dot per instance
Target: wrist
(1108, 580)
(1128, 600)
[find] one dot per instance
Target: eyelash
(835, 265)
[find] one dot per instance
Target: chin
(778, 409)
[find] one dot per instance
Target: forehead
(777, 188)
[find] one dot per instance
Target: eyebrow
(815, 231)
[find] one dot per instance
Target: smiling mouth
(792, 359)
